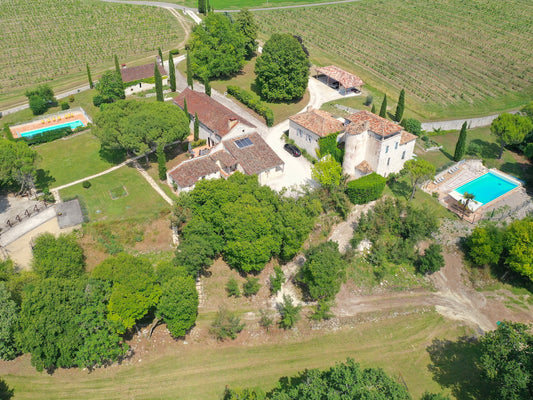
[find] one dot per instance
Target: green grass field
(454, 58)
(51, 41)
(238, 4)
(141, 200)
(193, 371)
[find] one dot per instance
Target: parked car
(295, 151)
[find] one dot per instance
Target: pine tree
(91, 83)
(373, 110)
(158, 83)
(186, 110)
(207, 86)
(196, 127)
(117, 67)
(460, 147)
(189, 72)
(171, 72)
(383, 109)
(161, 162)
(160, 54)
(400, 107)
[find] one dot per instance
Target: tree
(202, 9)
(413, 126)
(5, 392)
(460, 147)
(161, 162)
(171, 72)
(17, 164)
(226, 325)
(282, 69)
(110, 88)
(196, 127)
(8, 324)
(418, 171)
(434, 396)
(485, 245)
(40, 98)
(327, 172)
(507, 361)
(383, 109)
(186, 110)
(518, 245)
(60, 257)
(37, 105)
(467, 197)
(89, 78)
(178, 305)
(158, 84)
(373, 109)
(432, 260)
(207, 87)
(276, 280)
(510, 129)
(134, 290)
(400, 107)
(248, 27)
(216, 48)
(289, 312)
(117, 68)
(190, 81)
(160, 54)
(139, 127)
(251, 286)
(232, 288)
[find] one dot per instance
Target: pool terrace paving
(48, 120)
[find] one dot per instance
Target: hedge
(328, 145)
(366, 189)
(250, 100)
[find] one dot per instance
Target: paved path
(458, 123)
(27, 225)
(152, 183)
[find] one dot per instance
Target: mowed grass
(453, 58)
(53, 40)
(141, 199)
(193, 371)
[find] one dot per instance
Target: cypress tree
(189, 72)
(196, 127)
(117, 67)
(158, 83)
(460, 147)
(208, 6)
(161, 162)
(171, 72)
(202, 6)
(186, 110)
(91, 83)
(383, 109)
(207, 86)
(400, 107)
(160, 54)
(373, 110)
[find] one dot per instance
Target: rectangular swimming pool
(72, 125)
(488, 187)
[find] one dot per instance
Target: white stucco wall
(265, 176)
(304, 138)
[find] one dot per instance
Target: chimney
(366, 126)
(232, 122)
(309, 108)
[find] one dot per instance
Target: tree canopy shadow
(43, 179)
(6, 393)
(486, 149)
(400, 188)
(454, 366)
(112, 155)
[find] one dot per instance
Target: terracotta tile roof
(225, 158)
(364, 167)
(346, 79)
(210, 112)
(130, 74)
(363, 120)
(256, 158)
(407, 137)
(189, 172)
(318, 121)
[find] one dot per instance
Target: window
(299, 132)
(387, 149)
(388, 161)
(395, 145)
(403, 155)
(308, 138)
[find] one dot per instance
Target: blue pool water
(487, 187)
(72, 125)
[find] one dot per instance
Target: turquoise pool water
(72, 125)
(487, 187)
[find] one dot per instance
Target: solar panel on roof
(242, 143)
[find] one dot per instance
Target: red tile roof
(407, 137)
(141, 72)
(210, 112)
(225, 158)
(365, 120)
(346, 79)
(318, 121)
(256, 158)
(189, 172)
(364, 167)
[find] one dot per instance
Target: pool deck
(47, 120)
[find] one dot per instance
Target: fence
(28, 213)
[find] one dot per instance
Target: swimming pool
(488, 187)
(72, 125)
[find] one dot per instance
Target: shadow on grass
(454, 366)
(112, 155)
(486, 149)
(401, 188)
(43, 179)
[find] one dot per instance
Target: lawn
(53, 40)
(196, 371)
(139, 201)
(454, 58)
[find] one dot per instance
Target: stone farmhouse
(137, 74)
(216, 121)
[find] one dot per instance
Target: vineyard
(238, 4)
(452, 55)
(43, 40)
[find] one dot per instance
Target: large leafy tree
(518, 244)
(485, 245)
(507, 361)
(139, 127)
(134, 290)
(8, 324)
(327, 172)
(248, 27)
(178, 305)
(282, 69)
(110, 88)
(60, 257)
(217, 48)
(418, 171)
(17, 164)
(510, 129)
(40, 98)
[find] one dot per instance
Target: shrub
(266, 319)
(71, 98)
(198, 143)
(232, 288)
(328, 145)
(366, 189)
(290, 313)
(276, 280)
(98, 100)
(226, 325)
(413, 126)
(48, 136)
(250, 100)
(174, 51)
(64, 105)
(432, 260)
(369, 100)
(37, 105)
(251, 286)
(86, 184)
